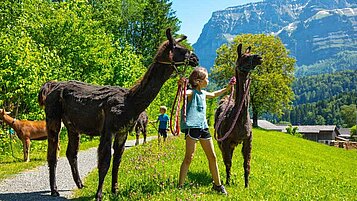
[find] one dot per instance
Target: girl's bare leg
(190, 150)
(208, 148)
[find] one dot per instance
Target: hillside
(283, 167)
(312, 30)
(310, 89)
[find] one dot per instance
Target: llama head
(171, 52)
(246, 62)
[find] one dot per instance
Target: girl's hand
(181, 81)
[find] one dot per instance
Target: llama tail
(44, 91)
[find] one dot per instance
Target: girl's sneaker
(219, 189)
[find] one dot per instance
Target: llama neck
(8, 120)
(142, 94)
(241, 78)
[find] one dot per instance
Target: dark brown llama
(107, 111)
(241, 130)
(140, 126)
(26, 131)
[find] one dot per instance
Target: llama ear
(169, 37)
(239, 50)
(247, 51)
(181, 39)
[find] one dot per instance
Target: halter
(246, 67)
(174, 64)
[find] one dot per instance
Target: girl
(196, 128)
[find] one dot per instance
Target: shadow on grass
(202, 178)
(39, 195)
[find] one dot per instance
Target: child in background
(163, 119)
(196, 128)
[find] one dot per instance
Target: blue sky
(194, 14)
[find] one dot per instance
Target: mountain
(314, 31)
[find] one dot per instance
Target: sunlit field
(283, 167)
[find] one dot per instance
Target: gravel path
(33, 185)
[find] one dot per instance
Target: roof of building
(315, 128)
(301, 129)
(346, 132)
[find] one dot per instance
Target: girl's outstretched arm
(221, 91)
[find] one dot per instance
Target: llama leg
(137, 138)
(144, 133)
(246, 151)
(53, 139)
(72, 153)
(118, 147)
(227, 154)
(104, 157)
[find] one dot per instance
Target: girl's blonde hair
(198, 74)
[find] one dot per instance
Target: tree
(139, 23)
(271, 90)
(349, 115)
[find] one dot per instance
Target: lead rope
(224, 112)
(235, 119)
(181, 93)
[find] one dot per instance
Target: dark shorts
(197, 133)
(163, 132)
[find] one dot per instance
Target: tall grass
(283, 167)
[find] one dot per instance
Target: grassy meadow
(283, 167)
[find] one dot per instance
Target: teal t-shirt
(195, 111)
(163, 119)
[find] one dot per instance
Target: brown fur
(242, 131)
(26, 131)
(107, 111)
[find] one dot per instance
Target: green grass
(283, 167)
(10, 165)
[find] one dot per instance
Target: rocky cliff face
(312, 30)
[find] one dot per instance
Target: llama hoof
(115, 188)
(80, 186)
(98, 197)
(55, 193)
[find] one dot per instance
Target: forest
(102, 42)
(326, 99)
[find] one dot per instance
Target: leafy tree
(353, 130)
(349, 115)
(271, 90)
(140, 24)
(293, 131)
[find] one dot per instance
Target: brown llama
(26, 131)
(140, 126)
(241, 130)
(108, 111)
